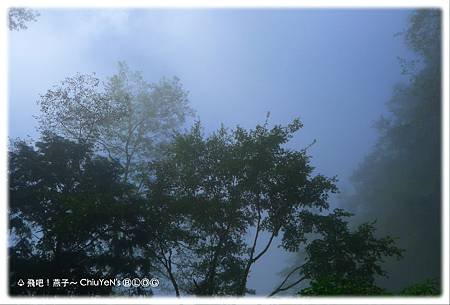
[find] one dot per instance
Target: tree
(198, 225)
(70, 217)
(127, 118)
(228, 186)
(18, 18)
(76, 110)
(399, 182)
(342, 262)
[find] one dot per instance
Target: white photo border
(443, 5)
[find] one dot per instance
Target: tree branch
(281, 288)
(243, 283)
(266, 247)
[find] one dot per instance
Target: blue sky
(334, 69)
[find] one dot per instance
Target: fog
(334, 69)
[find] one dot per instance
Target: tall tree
(127, 118)
(226, 187)
(399, 182)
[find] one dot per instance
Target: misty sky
(334, 69)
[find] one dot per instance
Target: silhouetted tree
(341, 261)
(70, 217)
(225, 187)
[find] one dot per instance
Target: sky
(333, 69)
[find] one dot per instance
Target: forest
(120, 184)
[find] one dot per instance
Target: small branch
(288, 287)
(311, 144)
(280, 287)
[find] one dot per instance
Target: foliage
(341, 261)
(109, 191)
(343, 254)
(330, 286)
(73, 216)
(77, 109)
(71, 213)
(428, 287)
(127, 118)
(227, 186)
(70, 217)
(18, 18)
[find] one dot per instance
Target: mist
(334, 69)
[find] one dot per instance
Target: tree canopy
(126, 117)
(343, 262)
(199, 224)
(224, 185)
(71, 216)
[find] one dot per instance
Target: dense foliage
(331, 286)
(227, 184)
(198, 225)
(428, 287)
(70, 216)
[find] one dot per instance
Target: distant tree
(19, 17)
(77, 109)
(225, 187)
(127, 118)
(399, 182)
(70, 217)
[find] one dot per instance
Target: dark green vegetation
(71, 216)
(329, 286)
(115, 189)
